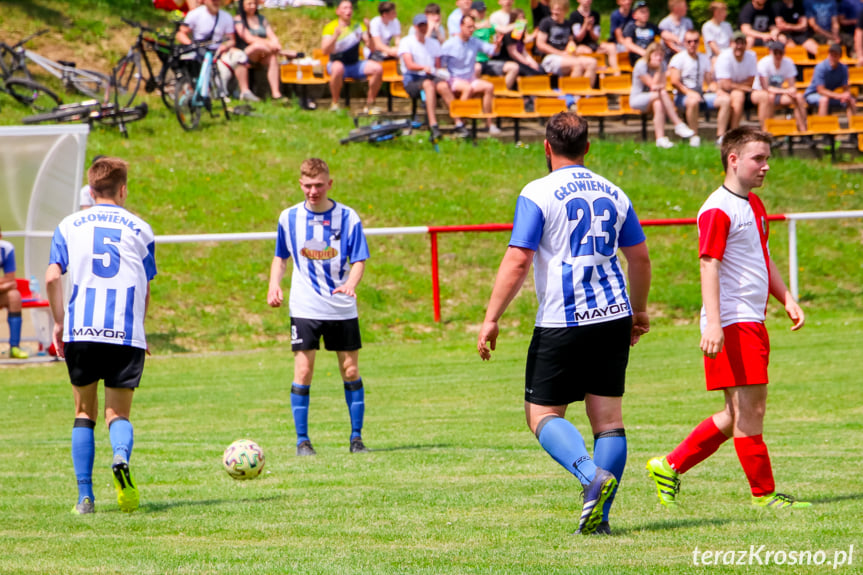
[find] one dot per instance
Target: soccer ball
(243, 459)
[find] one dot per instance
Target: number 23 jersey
(575, 220)
(110, 256)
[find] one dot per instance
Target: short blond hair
(563, 3)
(106, 176)
(314, 167)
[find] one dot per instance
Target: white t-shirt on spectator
(386, 32)
(728, 68)
(87, 200)
(423, 53)
(692, 70)
(721, 34)
(204, 25)
(679, 29)
(453, 23)
(767, 69)
(499, 19)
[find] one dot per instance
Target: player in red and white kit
(737, 277)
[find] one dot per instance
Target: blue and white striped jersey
(7, 257)
(575, 220)
(323, 245)
(110, 256)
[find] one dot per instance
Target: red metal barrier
(435, 230)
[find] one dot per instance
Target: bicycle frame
(202, 87)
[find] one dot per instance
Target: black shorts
(338, 334)
(564, 364)
(492, 67)
(414, 88)
(118, 365)
(799, 37)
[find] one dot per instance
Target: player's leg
(343, 337)
(305, 341)
(12, 300)
(123, 373)
(84, 443)
(609, 443)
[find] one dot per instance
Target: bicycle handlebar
(30, 37)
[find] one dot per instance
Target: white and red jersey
(734, 230)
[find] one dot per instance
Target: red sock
(752, 453)
(703, 442)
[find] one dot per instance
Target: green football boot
(667, 480)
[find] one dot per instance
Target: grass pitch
(455, 484)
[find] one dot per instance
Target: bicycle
(131, 67)
(15, 80)
(195, 95)
(380, 131)
(92, 111)
(88, 82)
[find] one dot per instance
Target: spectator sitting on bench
(10, 298)
(386, 33)
(735, 73)
(458, 55)
(792, 23)
(420, 59)
(619, 19)
(758, 23)
(502, 19)
(649, 93)
(554, 44)
(256, 38)
(829, 87)
(716, 32)
(849, 14)
(640, 32)
(341, 42)
(453, 22)
(513, 51)
(775, 86)
(584, 22)
(490, 65)
(689, 71)
(436, 28)
(674, 27)
(823, 16)
(210, 24)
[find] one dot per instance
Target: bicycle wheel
(32, 94)
(89, 82)
(168, 86)
(128, 78)
(70, 113)
(218, 92)
(188, 112)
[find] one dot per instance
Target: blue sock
(609, 453)
(300, 409)
(565, 444)
(122, 437)
(83, 453)
(14, 319)
(355, 397)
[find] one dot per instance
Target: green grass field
(455, 484)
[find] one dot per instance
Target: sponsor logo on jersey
(599, 312)
(584, 182)
(95, 332)
(318, 250)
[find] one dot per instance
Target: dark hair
(106, 176)
(514, 15)
(465, 17)
(241, 10)
(566, 134)
(432, 8)
(386, 7)
(734, 141)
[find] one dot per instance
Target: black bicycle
(16, 81)
(135, 66)
(380, 131)
(90, 112)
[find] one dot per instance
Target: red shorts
(743, 359)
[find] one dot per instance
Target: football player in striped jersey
(109, 254)
(571, 224)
